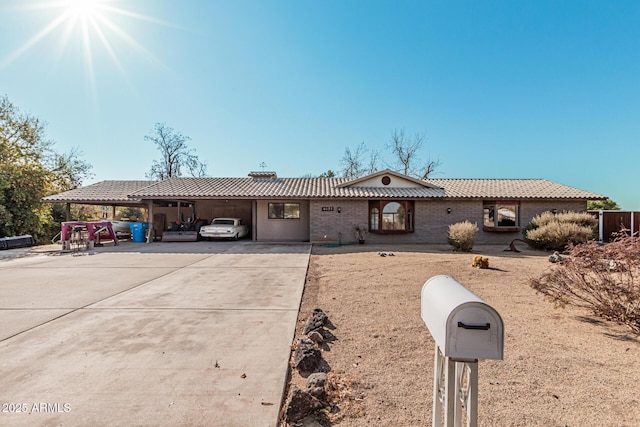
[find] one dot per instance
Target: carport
(162, 211)
(105, 193)
(169, 211)
(273, 208)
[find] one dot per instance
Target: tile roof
(316, 188)
(105, 191)
(511, 189)
(306, 188)
(357, 182)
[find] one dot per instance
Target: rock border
(310, 406)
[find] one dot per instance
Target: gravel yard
(562, 367)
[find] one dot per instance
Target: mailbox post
(465, 330)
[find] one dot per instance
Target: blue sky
(501, 89)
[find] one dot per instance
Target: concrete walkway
(158, 335)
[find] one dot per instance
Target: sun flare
(83, 9)
(96, 26)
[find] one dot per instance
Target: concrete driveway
(159, 334)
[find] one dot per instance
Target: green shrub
(461, 235)
(556, 231)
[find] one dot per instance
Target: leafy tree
(176, 154)
(30, 169)
(129, 212)
(23, 185)
(68, 170)
(605, 205)
(328, 174)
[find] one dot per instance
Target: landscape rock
(315, 385)
(317, 320)
(309, 421)
(299, 405)
(315, 336)
(556, 257)
(306, 356)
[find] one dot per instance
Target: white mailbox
(463, 326)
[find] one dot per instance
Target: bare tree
(352, 161)
(355, 164)
(372, 165)
(176, 154)
(405, 151)
(429, 168)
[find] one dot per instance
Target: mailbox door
(475, 331)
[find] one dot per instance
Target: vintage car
(225, 228)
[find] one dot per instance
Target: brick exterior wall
(431, 220)
(334, 221)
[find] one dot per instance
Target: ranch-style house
(391, 207)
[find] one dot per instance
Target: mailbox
(463, 326)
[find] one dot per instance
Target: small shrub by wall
(461, 235)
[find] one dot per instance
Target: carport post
(150, 230)
(67, 212)
(600, 226)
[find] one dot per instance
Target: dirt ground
(561, 367)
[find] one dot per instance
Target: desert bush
(461, 235)
(556, 231)
(600, 278)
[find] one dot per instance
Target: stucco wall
(282, 229)
(431, 220)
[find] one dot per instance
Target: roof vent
(263, 175)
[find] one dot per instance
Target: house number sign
(327, 209)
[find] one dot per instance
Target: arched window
(391, 216)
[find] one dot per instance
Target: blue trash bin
(137, 231)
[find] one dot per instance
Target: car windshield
(223, 221)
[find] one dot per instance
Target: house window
(501, 216)
(391, 216)
(284, 210)
(374, 219)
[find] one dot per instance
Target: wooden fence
(616, 221)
